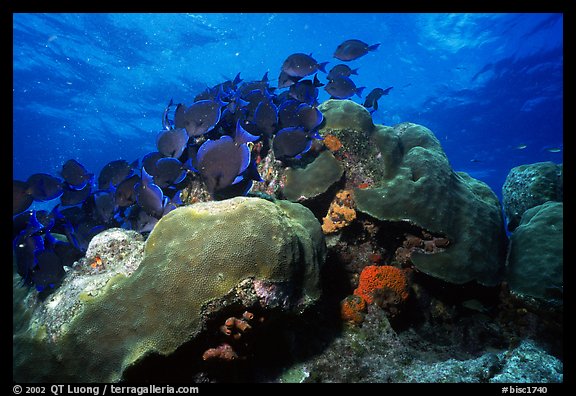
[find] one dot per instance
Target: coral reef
(353, 309)
(535, 258)
(530, 185)
(186, 269)
(387, 286)
(332, 143)
(340, 213)
(345, 115)
(418, 186)
(313, 180)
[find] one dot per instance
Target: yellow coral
(340, 214)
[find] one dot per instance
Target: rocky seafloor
(368, 260)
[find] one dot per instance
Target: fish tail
(359, 91)
(322, 66)
(373, 47)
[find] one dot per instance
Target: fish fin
(316, 135)
(237, 80)
(238, 179)
(373, 47)
(265, 77)
(359, 91)
(188, 165)
(322, 66)
(354, 71)
(242, 135)
(146, 177)
(387, 90)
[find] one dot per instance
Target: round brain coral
(383, 284)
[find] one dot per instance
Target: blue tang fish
(353, 49)
(221, 161)
(199, 118)
(149, 196)
(21, 197)
(292, 142)
(72, 196)
(372, 98)
(302, 65)
(75, 174)
(341, 70)
(172, 142)
(169, 171)
(343, 88)
(114, 172)
(44, 187)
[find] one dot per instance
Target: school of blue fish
(211, 137)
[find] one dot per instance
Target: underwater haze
(93, 87)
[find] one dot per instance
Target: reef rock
(535, 257)
(314, 179)
(196, 256)
(412, 181)
(527, 186)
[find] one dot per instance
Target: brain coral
(530, 185)
(535, 257)
(195, 255)
(416, 184)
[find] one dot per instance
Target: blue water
(93, 87)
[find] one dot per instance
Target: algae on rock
(195, 255)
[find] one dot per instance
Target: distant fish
(372, 98)
(475, 160)
(353, 49)
(554, 149)
(343, 88)
(341, 70)
(199, 118)
(302, 65)
(21, 197)
(75, 174)
(44, 187)
(292, 142)
(172, 142)
(114, 172)
(221, 161)
(520, 147)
